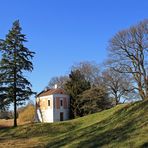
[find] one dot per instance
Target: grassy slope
(121, 126)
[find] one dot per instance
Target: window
(61, 102)
(48, 102)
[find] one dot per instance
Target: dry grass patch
(6, 123)
(21, 143)
(27, 114)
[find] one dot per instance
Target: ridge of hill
(125, 125)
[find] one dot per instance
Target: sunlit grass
(125, 125)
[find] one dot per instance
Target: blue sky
(64, 32)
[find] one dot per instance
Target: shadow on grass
(94, 136)
(105, 132)
(37, 130)
(145, 145)
(4, 127)
(115, 135)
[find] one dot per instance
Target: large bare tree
(128, 53)
(119, 85)
(90, 70)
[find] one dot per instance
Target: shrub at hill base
(27, 114)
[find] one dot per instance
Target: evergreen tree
(94, 100)
(74, 87)
(16, 59)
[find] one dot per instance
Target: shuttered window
(65, 103)
(58, 103)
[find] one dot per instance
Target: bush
(27, 114)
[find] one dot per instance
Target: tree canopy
(128, 53)
(74, 87)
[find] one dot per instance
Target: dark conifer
(16, 59)
(75, 86)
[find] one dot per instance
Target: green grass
(125, 125)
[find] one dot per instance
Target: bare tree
(128, 53)
(119, 85)
(90, 70)
(60, 81)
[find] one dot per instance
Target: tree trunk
(141, 91)
(15, 107)
(146, 83)
(15, 114)
(116, 101)
(14, 98)
(116, 98)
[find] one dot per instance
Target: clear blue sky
(63, 32)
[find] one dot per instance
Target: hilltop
(125, 125)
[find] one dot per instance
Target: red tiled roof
(50, 92)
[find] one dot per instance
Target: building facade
(52, 105)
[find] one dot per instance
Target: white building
(52, 105)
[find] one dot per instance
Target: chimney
(46, 88)
(55, 86)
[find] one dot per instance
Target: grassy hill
(125, 125)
